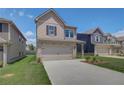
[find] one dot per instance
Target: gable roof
(91, 31)
(49, 10)
(56, 14)
(11, 22)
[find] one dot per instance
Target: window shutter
(55, 31)
(47, 29)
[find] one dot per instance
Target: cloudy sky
(109, 20)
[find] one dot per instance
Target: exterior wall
(93, 37)
(41, 30)
(55, 49)
(17, 48)
(88, 47)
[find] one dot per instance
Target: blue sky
(109, 20)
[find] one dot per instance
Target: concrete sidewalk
(74, 72)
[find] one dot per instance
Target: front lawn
(25, 71)
(111, 63)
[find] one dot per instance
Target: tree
(31, 47)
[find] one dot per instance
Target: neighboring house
(55, 39)
(12, 42)
(98, 42)
(121, 39)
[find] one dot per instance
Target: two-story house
(55, 39)
(98, 42)
(12, 42)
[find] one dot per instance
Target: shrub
(97, 55)
(94, 59)
(87, 58)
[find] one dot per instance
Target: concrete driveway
(74, 72)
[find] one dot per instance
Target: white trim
(70, 30)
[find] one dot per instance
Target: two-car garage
(57, 51)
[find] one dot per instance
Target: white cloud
(29, 34)
(21, 13)
(31, 41)
(119, 33)
(30, 16)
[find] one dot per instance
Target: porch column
(74, 51)
(95, 50)
(82, 46)
(110, 51)
(4, 55)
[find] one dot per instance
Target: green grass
(112, 63)
(25, 71)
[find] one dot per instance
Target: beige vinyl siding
(54, 47)
(16, 46)
(42, 30)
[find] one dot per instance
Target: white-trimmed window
(3, 27)
(98, 38)
(69, 33)
(51, 30)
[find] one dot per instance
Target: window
(98, 38)
(0, 27)
(1, 48)
(19, 38)
(51, 30)
(3, 27)
(69, 34)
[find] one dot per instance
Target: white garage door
(102, 50)
(56, 52)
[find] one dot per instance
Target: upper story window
(69, 34)
(98, 38)
(3, 27)
(51, 30)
